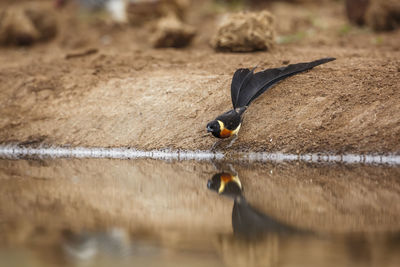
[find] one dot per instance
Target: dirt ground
(129, 94)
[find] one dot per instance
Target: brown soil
(128, 94)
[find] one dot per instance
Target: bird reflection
(225, 183)
(247, 222)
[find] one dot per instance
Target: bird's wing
(240, 79)
(263, 80)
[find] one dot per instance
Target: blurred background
(106, 73)
(197, 24)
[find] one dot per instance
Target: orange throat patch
(225, 133)
(226, 177)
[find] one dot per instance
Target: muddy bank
(127, 94)
(350, 105)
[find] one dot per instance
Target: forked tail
(247, 86)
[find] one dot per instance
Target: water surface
(110, 212)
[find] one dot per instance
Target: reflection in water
(98, 212)
(250, 223)
(256, 235)
(225, 183)
(87, 245)
(246, 221)
(261, 240)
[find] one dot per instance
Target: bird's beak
(209, 130)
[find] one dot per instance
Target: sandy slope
(131, 95)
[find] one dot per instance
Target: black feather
(240, 80)
(250, 223)
(247, 88)
(231, 119)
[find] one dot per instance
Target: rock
(355, 10)
(44, 22)
(16, 28)
(26, 25)
(171, 32)
(380, 15)
(245, 32)
(140, 12)
(383, 15)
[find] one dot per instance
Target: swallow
(246, 87)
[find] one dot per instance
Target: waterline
(13, 151)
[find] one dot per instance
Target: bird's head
(214, 127)
(225, 184)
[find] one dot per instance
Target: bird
(246, 87)
(225, 183)
(247, 222)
